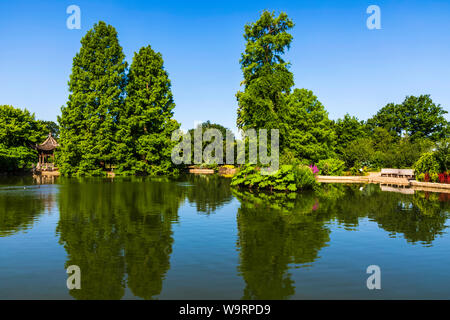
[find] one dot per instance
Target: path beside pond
(375, 177)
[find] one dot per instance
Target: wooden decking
(46, 173)
(201, 171)
(388, 182)
(343, 179)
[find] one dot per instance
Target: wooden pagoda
(46, 153)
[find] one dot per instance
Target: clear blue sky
(349, 67)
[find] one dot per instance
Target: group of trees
(115, 117)
(121, 118)
(395, 137)
(267, 101)
(19, 133)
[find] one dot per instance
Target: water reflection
(22, 204)
(270, 240)
(120, 232)
(117, 228)
(419, 217)
(279, 229)
(208, 192)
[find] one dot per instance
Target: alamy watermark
(374, 20)
(74, 20)
(374, 281)
(252, 149)
(74, 280)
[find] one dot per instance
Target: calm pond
(196, 238)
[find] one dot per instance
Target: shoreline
(387, 181)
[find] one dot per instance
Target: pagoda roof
(49, 144)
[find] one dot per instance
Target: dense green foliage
(395, 137)
(224, 132)
(52, 127)
(381, 150)
(427, 163)
(331, 167)
(442, 154)
(266, 75)
(287, 178)
(89, 121)
(348, 130)
(267, 101)
(418, 117)
(19, 133)
(309, 133)
(113, 119)
(145, 124)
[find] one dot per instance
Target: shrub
(426, 163)
(331, 167)
(442, 154)
(287, 178)
(358, 171)
(434, 177)
(304, 177)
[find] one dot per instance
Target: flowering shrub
(314, 169)
(443, 177)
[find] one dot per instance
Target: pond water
(196, 238)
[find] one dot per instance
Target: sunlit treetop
(267, 40)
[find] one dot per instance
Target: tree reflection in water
(273, 233)
(120, 232)
(21, 204)
(110, 229)
(276, 230)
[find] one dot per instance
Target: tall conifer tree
(89, 121)
(146, 124)
(267, 78)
